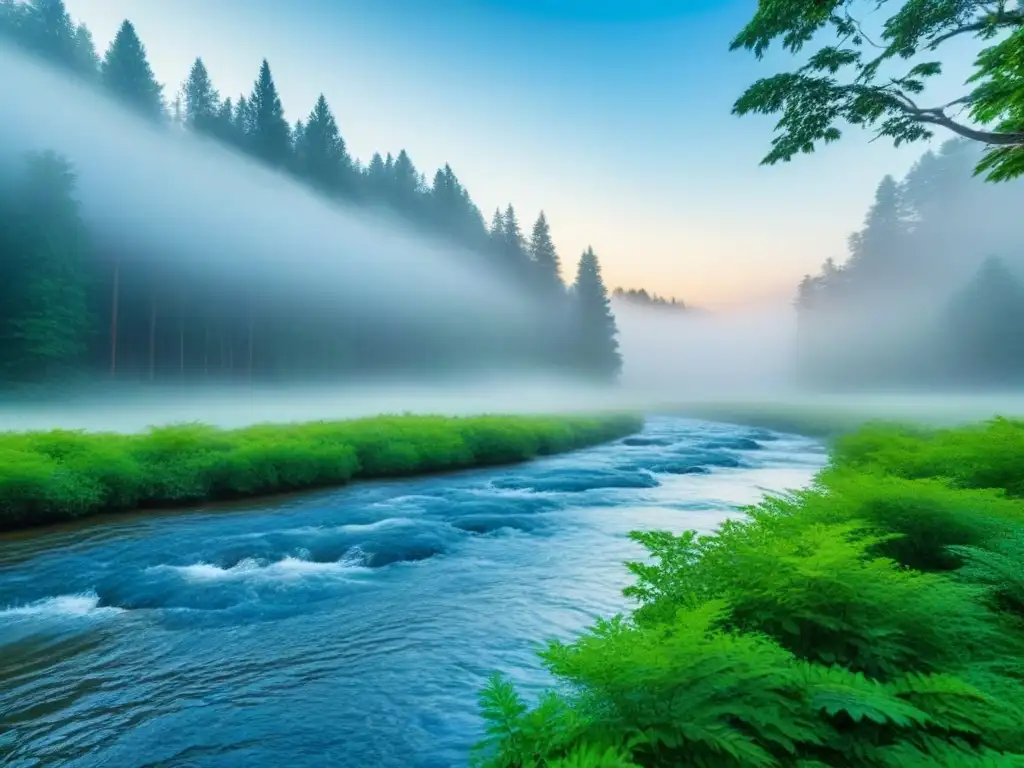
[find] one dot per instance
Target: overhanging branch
(1000, 18)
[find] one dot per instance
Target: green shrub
(875, 619)
(51, 476)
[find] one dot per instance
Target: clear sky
(613, 116)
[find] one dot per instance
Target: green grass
(828, 416)
(873, 619)
(47, 477)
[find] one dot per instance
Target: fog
(201, 206)
(197, 204)
(738, 353)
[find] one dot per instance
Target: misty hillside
(930, 289)
(83, 296)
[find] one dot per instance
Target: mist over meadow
(210, 257)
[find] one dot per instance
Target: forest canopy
(135, 321)
(930, 291)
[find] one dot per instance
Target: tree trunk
(152, 339)
(114, 300)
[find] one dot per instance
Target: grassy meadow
(873, 619)
(48, 477)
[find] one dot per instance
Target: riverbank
(48, 477)
(875, 619)
(827, 417)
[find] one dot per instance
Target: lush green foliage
(875, 619)
(852, 78)
(170, 324)
(47, 477)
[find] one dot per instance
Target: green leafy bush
(874, 619)
(52, 476)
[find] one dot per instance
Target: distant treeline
(931, 291)
(68, 306)
(641, 297)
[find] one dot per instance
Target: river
(351, 627)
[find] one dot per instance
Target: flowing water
(353, 627)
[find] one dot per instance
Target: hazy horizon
(608, 102)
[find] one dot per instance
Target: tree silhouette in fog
(641, 297)
(126, 74)
(920, 298)
(46, 315)
(596, 348)
(267, 134)
(154, 322)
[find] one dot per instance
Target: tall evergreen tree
(544, 255)
(596, 349)
(202, 102)
(270, 135)
(242, 122)
(323, 158)
(47, 31)
(377, 176)
(127, 75)
(877, 250)
(48, 320)
(496, 232)
(224, 122)
(405, 183)
(515, 243)
(87, 60)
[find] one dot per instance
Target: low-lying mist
(693, 354)
(196, 204)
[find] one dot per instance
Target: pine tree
(876, 252)
(596, 350)
(224, 122)
(405, 184)
(298, 136)
(270, 135)
(544, 255)
(87, 60)
(202, 102)
(127, 75)
(48, 324)
(47, 31)
(324, 159)
(496, 232)
(377, 176)
(242, 122)
(515, 243)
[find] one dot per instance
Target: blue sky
(613, 116)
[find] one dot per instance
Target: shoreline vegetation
(59, 475)
(875, 618)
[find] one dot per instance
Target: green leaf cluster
(874, 619)
(874, 80)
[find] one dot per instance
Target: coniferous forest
(931, 291)
(70, 309)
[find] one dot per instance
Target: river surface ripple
(352, 627)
